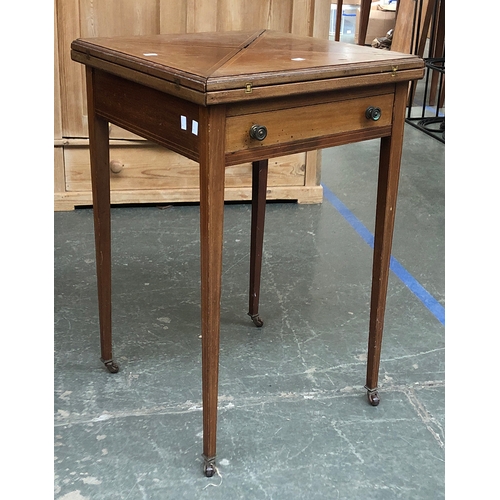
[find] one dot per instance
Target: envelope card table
(227, 98)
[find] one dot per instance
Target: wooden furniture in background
(364, 16)
(426, 112)
(419, 24)
(420, 30)
(148, 173)
(227, 98)
(403, 37)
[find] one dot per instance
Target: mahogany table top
(223, 62)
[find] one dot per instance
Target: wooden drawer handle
(116, 166)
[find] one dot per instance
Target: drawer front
(154, 167)
(303, 123)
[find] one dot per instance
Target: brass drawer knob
(258, 132)
(373, 113)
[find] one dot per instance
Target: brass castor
(256, 320)
(209, 466)
(373, 397)
(111, 366)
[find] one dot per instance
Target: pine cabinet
(142, 172)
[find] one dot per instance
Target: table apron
(160, 117)
(301, 126)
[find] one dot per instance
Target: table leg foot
(372, 395)
(209, 466)
(256, 319)
(111, 366)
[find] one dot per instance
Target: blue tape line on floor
(411, 283)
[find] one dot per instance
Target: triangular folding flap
(195, 54)
(276, 57)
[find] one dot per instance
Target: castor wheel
(373, 397)
(209, 467)
(256, 320)
(209, 470)
(111, 366)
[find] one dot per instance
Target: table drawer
(305, 123)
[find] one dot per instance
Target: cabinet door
(302, 17)
(180, 16)
(88, 18)
(152, 174)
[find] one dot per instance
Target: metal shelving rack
(432, 116)
(427, 106)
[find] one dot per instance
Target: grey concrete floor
(294, 422)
